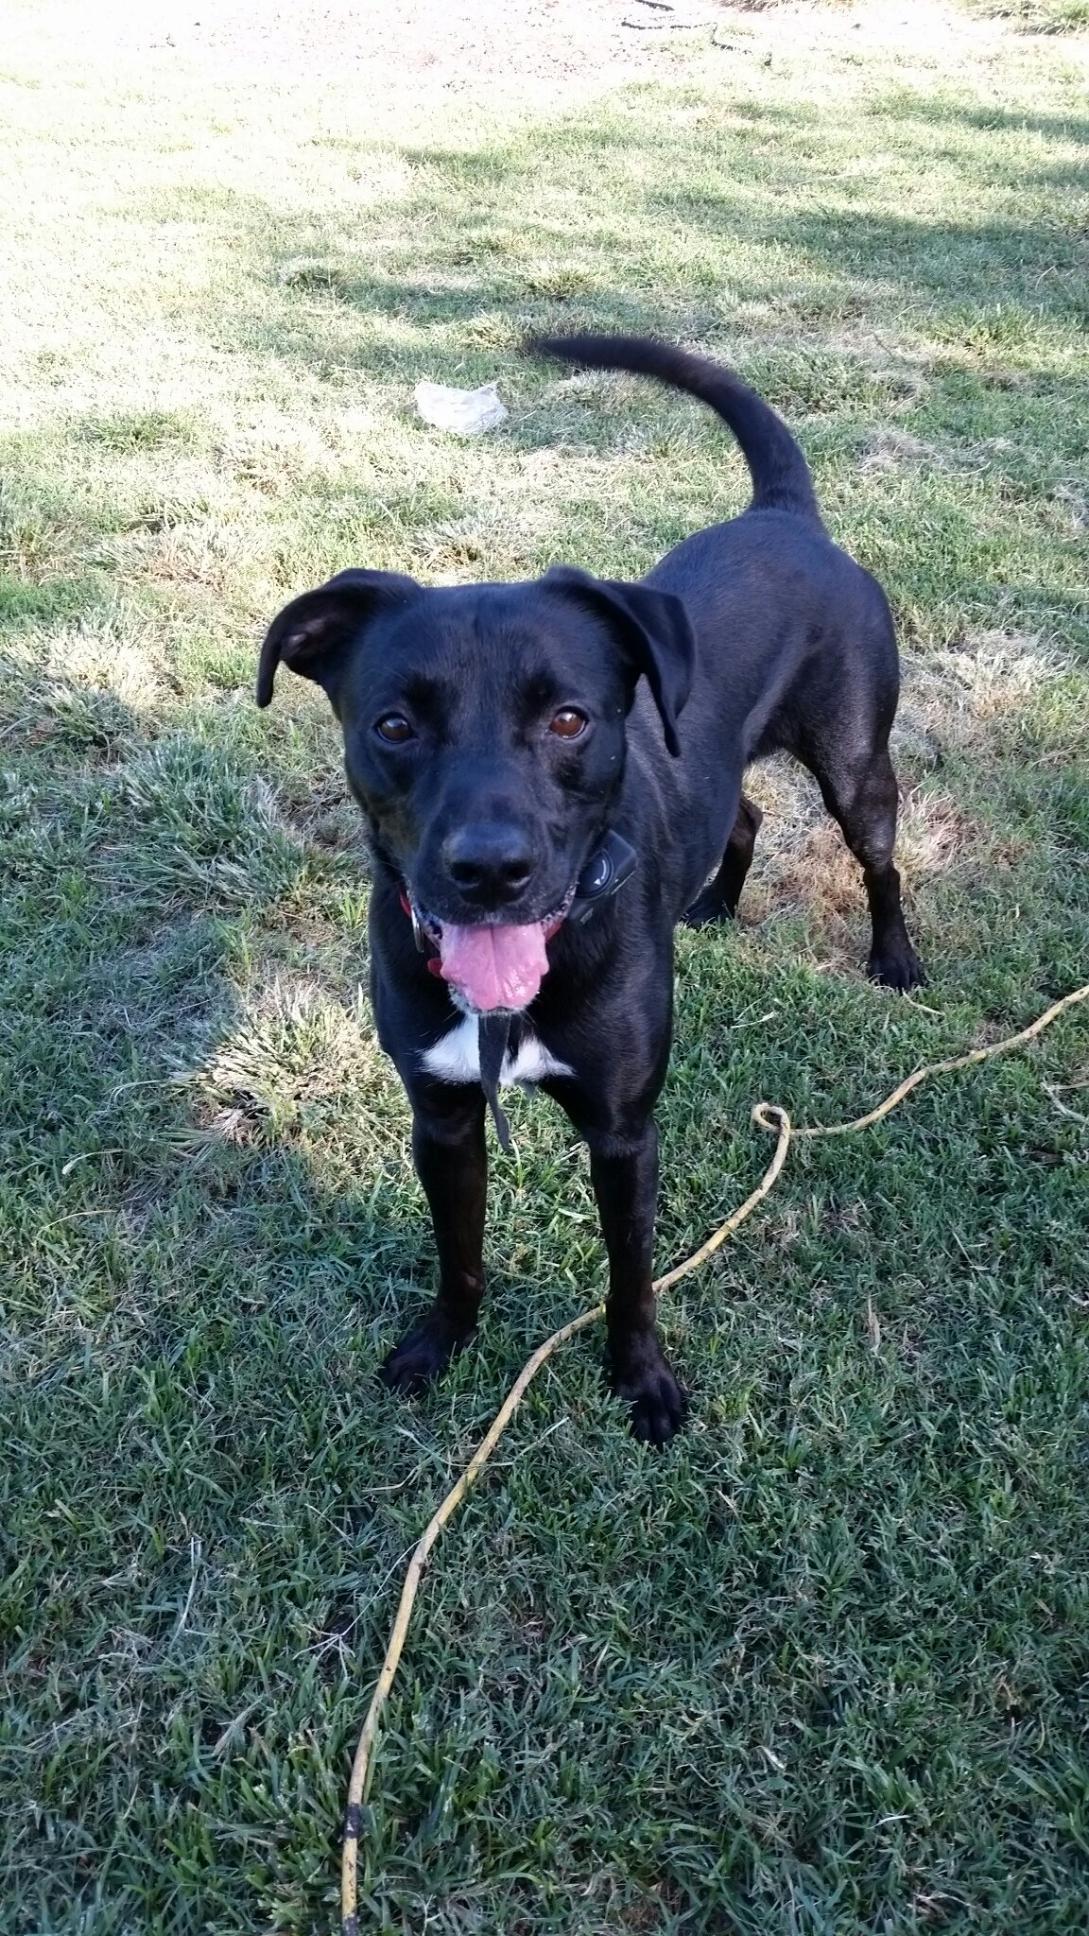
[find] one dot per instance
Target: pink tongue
(495, 967)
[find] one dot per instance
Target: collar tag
(493, 1036)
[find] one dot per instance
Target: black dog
(520, 751)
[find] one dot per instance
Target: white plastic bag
(466, 412)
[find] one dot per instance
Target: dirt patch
(546, 51)
(395, 45)
(893, 450)
(802, 862)
(960, 696)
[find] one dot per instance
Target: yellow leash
(768, 1116)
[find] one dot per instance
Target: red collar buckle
(433, 961)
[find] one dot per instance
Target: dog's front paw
(641, 1375)
(423, 1352)
(897, 967)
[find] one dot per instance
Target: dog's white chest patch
(456, 1058)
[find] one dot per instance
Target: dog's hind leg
(863, 798)
(719, 899)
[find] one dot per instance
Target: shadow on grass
(1055, 127)
(55, 599)
(981, 261)
(458, 270)
(186, 1145)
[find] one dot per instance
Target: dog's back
(795, 652)
(774, 603)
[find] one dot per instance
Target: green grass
(1037, 16)
(822, 1667)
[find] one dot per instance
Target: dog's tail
(781, 478)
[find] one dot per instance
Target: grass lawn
(822, 1666)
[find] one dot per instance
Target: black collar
(611, 864)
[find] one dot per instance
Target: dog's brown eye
(394, 729)
(568, 723)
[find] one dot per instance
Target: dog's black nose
(491, 862)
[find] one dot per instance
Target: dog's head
(484, 726)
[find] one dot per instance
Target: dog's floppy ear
(652, 627)
(312, 635)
